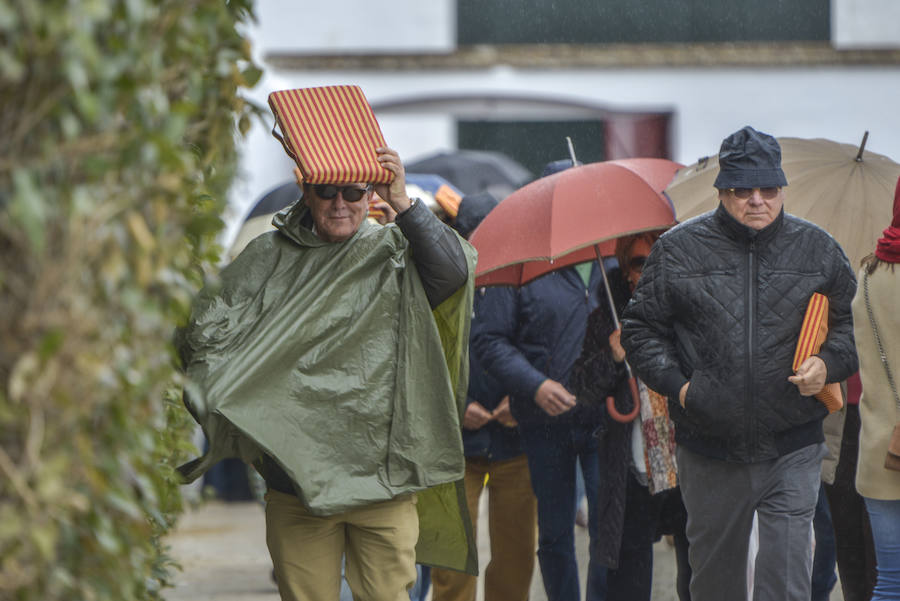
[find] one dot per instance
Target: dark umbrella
(475, 171)
(276, 199)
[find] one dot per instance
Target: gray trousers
(720, 499)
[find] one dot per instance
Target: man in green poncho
(337, 369)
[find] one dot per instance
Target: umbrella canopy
(842, 188)
(475, 171)
(568, 217)
(656, 172)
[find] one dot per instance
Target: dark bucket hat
(750, 159)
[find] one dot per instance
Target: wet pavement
(221, 548)
(222, 551)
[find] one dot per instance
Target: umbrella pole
(632, 382)
(571, 150)
(862, 147)
(609, 296)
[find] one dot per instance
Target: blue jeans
(420, 589)
(885, 519)
(552, 450)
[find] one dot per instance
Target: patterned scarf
(659, 440)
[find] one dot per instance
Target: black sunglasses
(745, 193)
(637, 263)
(329, 191)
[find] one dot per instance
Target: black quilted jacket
(721, 304)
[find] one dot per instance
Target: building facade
(649, 78)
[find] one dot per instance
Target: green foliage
(118, 125)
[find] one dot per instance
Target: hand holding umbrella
(632, 381)
(615, 344)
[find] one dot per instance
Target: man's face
(754, 207)
(336, 217)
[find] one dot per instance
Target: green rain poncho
(328, 358)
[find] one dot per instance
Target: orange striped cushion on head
(331, 133)
(812, 335)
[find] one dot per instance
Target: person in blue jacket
(529, 345)
(494, 460)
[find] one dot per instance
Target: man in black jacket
(713, 325)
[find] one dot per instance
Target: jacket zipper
(751, 345)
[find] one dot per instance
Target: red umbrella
(563, 219)
(570, 217)
(656, 172)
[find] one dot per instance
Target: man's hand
(810, 376)
(615, 344)
(395, 193)
(553, 398)
(476, 416)
(503, 415)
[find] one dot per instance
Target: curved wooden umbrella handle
(629, 417)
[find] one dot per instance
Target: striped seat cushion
(331, 133)
(812, 335)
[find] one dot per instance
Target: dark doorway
(535, 143)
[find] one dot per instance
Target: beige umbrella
(842, 188)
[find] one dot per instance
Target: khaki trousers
(512, 524)
(379, 542)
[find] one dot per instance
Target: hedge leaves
(118, 124)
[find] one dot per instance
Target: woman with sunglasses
(637, 490)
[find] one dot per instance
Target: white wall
(348, 26)
(865, 23)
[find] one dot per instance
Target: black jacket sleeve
(494, 342)
(648, 333)
(436, 252)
